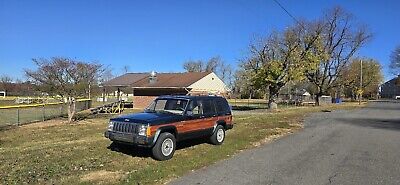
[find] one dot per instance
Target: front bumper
(129, 138)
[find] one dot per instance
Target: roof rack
(202, 94)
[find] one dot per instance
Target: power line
(287, 12)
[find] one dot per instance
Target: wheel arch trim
(219, 122)
(161, 130)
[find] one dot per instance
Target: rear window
(222, 106)
(208, 107)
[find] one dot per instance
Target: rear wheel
(165, 146)
(218, 136)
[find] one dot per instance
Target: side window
(195, 108)
(208, 107)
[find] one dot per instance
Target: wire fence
(250, 104)
(239, 104)
(23, 114)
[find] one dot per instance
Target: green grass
(9, 116)
(30, 114)
(6, 102)
(59, 153)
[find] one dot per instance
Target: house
(144, 87)
(3, 94)
(391, 88)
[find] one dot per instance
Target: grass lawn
(11, 116)
(29, 114)
(6, 102)
(54, 152)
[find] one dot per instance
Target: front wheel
(218, 136)
(165, 146)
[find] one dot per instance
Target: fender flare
(161, 129)
(219, 122)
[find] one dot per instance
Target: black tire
(215, 138)
(168, 139)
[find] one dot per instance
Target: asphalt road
(342, 147)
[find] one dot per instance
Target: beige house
(144, 87)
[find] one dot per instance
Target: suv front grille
(124, 127)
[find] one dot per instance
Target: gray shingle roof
(141, 80)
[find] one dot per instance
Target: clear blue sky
(161, 35)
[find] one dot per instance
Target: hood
(147, 117)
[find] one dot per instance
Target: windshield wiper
(150, 111)
(168, 112)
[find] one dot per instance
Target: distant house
(3, 94)
(144, 87)
(391, 88)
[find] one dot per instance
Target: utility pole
(361, 82)
(89, 91)
(288, 93)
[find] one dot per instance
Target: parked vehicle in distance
(397, 97)
(169, 119)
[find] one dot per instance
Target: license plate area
(122, 137)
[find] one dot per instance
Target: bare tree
(242, 85)
(340, 39)
(200, 66)
(213, 64)
(64, 77)
(106, 75)
(193, 66)
(226, 74)
(6, 83)
(395, 61)
(126, 69)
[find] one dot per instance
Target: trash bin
(338, 100)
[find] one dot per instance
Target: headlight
(110, 126)
(142, 130)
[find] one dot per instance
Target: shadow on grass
(130, 150)
(142, 152)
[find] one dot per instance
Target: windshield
(174, 106)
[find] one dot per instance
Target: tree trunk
(71, 109)
(353, 95)
(317, 96)
(273, 92)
